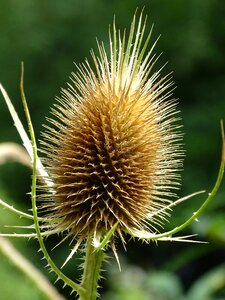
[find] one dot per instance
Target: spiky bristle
(113, 146)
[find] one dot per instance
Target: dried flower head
(113, 146)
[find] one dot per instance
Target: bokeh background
(49, 36)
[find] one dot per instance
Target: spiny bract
(113, 147)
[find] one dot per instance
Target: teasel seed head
(113, 147)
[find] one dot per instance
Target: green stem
(195, 214)
(76, 287)
(203, 206)
(29, 270)
(91, 272)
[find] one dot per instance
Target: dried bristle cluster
(113, 147)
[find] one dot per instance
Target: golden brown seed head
(113, 147)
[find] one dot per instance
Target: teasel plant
(111, 155)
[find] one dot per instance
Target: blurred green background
(49, 36)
